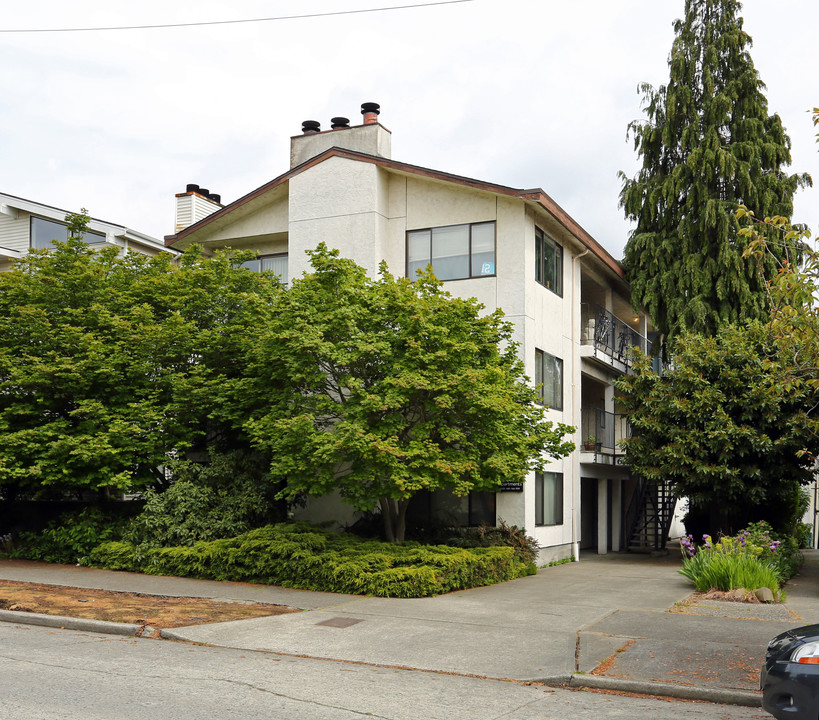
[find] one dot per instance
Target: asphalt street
(53, 674)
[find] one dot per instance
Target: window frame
(556, 517)
(431, 231)
(268, 256)
(39, 218)
(543, 241)
(541, 358)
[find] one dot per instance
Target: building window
(44, 232)
(455, 251)
(549, 379)
(482, 507)
(277, 264)
(548, 262)
(476, 508)
(548, 498)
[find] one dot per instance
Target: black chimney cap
(191, 187)
(216, 198)
(203, 191)
(370, 107)
(311, 126)
(340, 122)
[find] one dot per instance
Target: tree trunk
(394, 514)
(401, 520)
(386, 516)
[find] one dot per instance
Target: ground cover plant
(302, 556)
(752, 559)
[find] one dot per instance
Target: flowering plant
(756, 549)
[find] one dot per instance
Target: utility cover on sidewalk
(339, 622)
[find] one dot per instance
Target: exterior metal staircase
(649, 516)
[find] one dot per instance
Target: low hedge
(301, 556)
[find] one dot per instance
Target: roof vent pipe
(339, 122)
(370, 111)
(310, 127)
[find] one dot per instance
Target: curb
(746, 698)
(69, 623)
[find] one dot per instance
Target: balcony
(601, 435)
(608, 339)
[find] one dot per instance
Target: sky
(525, 93)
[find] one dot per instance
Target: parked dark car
(790, 675)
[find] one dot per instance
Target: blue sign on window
(488, 268)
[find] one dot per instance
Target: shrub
(502, 535)
(778, 551)
(301, 556)
(70, 537)
(186, 513)
(223, 498)
(752, 559)
(714, 571)
(803, 535)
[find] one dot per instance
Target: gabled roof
(535, 196)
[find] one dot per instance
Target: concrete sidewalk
(607, 613)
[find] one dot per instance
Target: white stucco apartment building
(510, 248)
(26, 225)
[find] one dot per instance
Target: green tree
(794, 318)
(726, 426)
(708, 145)
(383, 387)
(108, 362)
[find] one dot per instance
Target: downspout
(575, 400)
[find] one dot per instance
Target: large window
(276, 264)
(548, 262)
(455, 251)
(549, 379)
(43, 232)
(476, 508)
(548, 498)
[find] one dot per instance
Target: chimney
(370, 111)
(370, 138)
(193, 205)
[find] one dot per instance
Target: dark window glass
(455, 252)
(549, 379)
(44, 232)
(548, 498)
(482, 507)
(548, 262)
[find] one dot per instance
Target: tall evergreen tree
(708, 145)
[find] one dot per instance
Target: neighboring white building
(26, 225)
(514, 249)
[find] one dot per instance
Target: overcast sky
(526, 93)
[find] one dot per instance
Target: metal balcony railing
(609, 333)
(603, 431)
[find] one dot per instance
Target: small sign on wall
(510, 487)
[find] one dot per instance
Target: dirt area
(158, 611)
